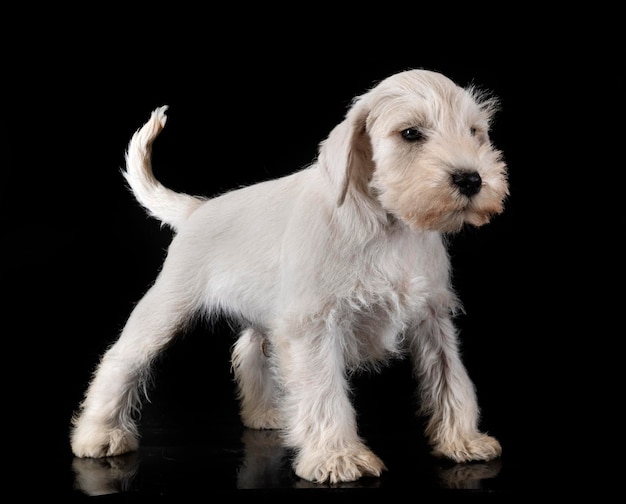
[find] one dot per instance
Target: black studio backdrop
(88, 251)
(251, 94)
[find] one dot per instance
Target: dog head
(419, 144)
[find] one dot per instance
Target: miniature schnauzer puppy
(339, 267)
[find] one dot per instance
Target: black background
(247, 105)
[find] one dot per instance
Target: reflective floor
(249, 462)
(188, 451)
(256, 463)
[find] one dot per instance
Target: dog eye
(412, 134)
(473, 131)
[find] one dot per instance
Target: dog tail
(170, 207)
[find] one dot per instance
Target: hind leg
(257, 388)
(104, 425)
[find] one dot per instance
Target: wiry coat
(339, 266)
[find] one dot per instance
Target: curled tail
(170, 207)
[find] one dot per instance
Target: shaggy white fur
(339, 266)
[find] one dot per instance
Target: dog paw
(338, 466)
(482, 447)
(107, 442)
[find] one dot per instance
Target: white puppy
(337, 267)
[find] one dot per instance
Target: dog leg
(320, 419)
(105, 424)
(257, 388)
(448, 395)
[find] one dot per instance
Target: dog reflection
(105, 476)
(266, 461)
(468, 476)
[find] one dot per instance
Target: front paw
(481, 447)
(336, 466)
(98, 441)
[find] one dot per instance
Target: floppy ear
(346, 155)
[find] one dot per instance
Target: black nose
(468, 183)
